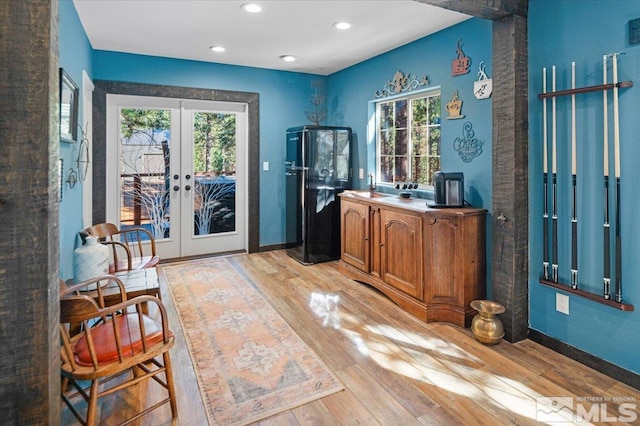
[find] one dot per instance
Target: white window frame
(408, 97)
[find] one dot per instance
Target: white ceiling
(304, 28)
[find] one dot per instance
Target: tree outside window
(408, 138)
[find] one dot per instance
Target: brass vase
(485, 326)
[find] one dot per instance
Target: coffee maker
(448, 189)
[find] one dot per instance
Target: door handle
(176, 188)
(188, 177)
(188, 187)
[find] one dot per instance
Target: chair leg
(93, 403)
(64, 384)
(170, 385)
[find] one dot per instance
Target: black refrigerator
(317, 169)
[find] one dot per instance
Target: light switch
(265, 166)
(361, 174)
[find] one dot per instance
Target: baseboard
(272, 247)
(625, 376)
(199, 256)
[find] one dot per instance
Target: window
(408, 138)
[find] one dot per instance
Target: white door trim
(87, 115)
(115, 102)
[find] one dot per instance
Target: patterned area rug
(250, 364)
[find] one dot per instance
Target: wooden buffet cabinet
(431, 262)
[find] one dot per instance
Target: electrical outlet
(562, 303)
(361, 173)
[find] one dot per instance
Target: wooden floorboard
(395, 368)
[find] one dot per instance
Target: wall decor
(634, 31)
(468, 146)
(454, 107)
(317, 99)
(484, 86)
(68, 108)
(82, 160)
(460, 65)
(401, 83)
(72, 178)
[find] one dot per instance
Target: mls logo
(554, 409)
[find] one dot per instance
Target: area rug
(249, 362)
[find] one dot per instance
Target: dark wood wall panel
(486, 9)
(29, 253)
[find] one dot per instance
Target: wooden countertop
(414, 204)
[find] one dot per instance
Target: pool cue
(554, 201)
(607, 226)
(574, 161)
(616, 147)
(545, 177)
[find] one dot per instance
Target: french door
(179, 169)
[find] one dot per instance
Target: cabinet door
(354, 239)
(443, 262)
(401, 252)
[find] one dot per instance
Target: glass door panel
(214, 169)
(145, 136)
(179, 169)
(213, 163)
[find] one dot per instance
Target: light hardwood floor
(396, 369)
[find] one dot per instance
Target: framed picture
(68, 108)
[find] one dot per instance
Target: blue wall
(75, 56)
(562, 31)
(284, 97)
(351, 95)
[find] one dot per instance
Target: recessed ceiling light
(288, 58)
(217, 49)
(252, 7)
(343, 25)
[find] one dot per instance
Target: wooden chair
(111, 341)
(133, 248)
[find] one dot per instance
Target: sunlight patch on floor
(427, 359)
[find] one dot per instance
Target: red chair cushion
(105, 343)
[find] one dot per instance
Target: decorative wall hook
(454, 107)
(460, 64)
(484, 86)
(401, 83)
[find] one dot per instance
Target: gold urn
(485, 326)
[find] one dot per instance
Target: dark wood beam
(510, 216)
(510, 210)
(29, 214)
(486, 9)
